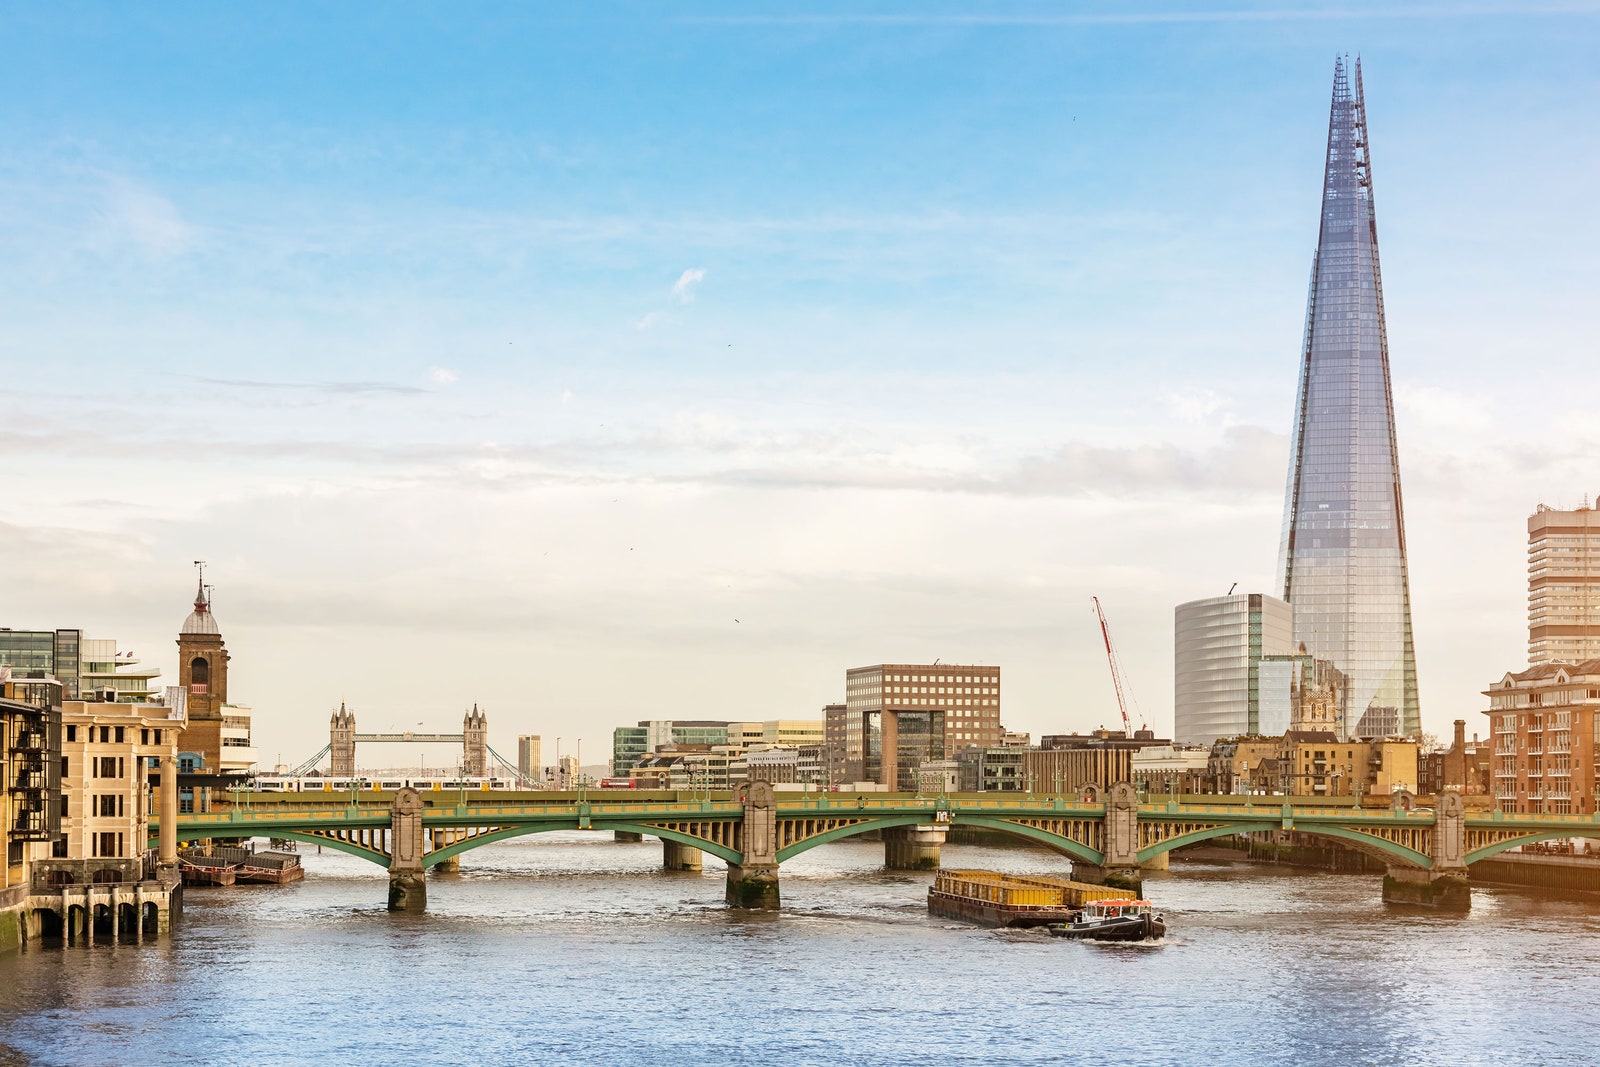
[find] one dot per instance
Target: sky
(625, 361)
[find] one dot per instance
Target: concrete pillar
(626, 837)
(169, 811)
(1444, 884)
(448, 865)
(408, 890)
(753, 882)
(912, 848)
(676, 857)
(1121, 867)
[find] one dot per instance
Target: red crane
(1116, 671)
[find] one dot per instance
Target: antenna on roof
(1232, 587)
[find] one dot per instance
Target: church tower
(203, 670)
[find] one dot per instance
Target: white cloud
(566, 396)
(443, 376)
(147, 219)
(648, 321)
(683, 288)
(1194, 404)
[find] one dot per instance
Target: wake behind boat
(1114, 920)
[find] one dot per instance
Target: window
(63, 766)
(144, 737)
(120, 739)
(72, 733)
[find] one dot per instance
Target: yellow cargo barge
(993, 899)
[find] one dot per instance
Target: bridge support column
(449, 865)
(753, 882)
(912, 848)
(626, 837)
(408, 889)
(676, 857)
(1443, 885)
(169, 813)
(1121, 867)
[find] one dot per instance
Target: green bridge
(1427, 850)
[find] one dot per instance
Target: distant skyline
(503, 357)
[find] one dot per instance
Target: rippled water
(568, 948)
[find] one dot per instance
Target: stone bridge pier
(676, 857)
(408, 888)
(1444, 884)
(1121, 867)
(753, 883)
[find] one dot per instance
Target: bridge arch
(839, 833)
(506, 833)
(1376, 847)
(350, 847)
(1526, 839)
(1034, 835)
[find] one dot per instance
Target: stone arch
(107, 876)
(200, 671)
(151, 919)
(51, 923)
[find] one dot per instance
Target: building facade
(900, 715)
(107, 753)
(1563, 585)
(1542, 724)
(218, 737)
(530, 752)
(1219, 645)
(1342, 558)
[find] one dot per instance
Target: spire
(200, 620)
(1342, 559)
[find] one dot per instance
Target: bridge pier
(912, 848)
(1121, 867)
(1444, 885)
(448, 865)
(626, 837)
(408, 888)
(676, 857)
(753, 882)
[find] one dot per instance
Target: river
(571, 949)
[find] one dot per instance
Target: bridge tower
(753, 882)
(342, 742)
(475, 744)
(1121, 868)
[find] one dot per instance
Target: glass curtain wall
(1343, 552)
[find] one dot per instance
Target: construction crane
(1116, 672)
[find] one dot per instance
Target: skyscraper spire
(1343, 553)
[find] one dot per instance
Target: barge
(989, 898)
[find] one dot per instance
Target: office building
(900, 715)
(1219, 646)
(86, 668)
(1343, 554)
(529, 754)
(1563, 585)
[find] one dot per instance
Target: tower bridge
(1427, 850)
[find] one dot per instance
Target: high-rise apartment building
(1563, 585)
(1219, 643)
(1343, 554)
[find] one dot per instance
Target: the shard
(1343, 553)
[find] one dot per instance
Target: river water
(571, 949)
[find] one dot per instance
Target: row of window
(108, 733)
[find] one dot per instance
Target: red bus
(619, 783)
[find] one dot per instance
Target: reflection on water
(568, 948)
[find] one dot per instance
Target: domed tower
(475, 744)
(203, 669)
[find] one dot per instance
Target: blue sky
(551, 341)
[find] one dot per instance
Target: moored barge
(989, 898)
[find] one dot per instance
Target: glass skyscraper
(1343, 553)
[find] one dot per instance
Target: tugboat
(1114, 920)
